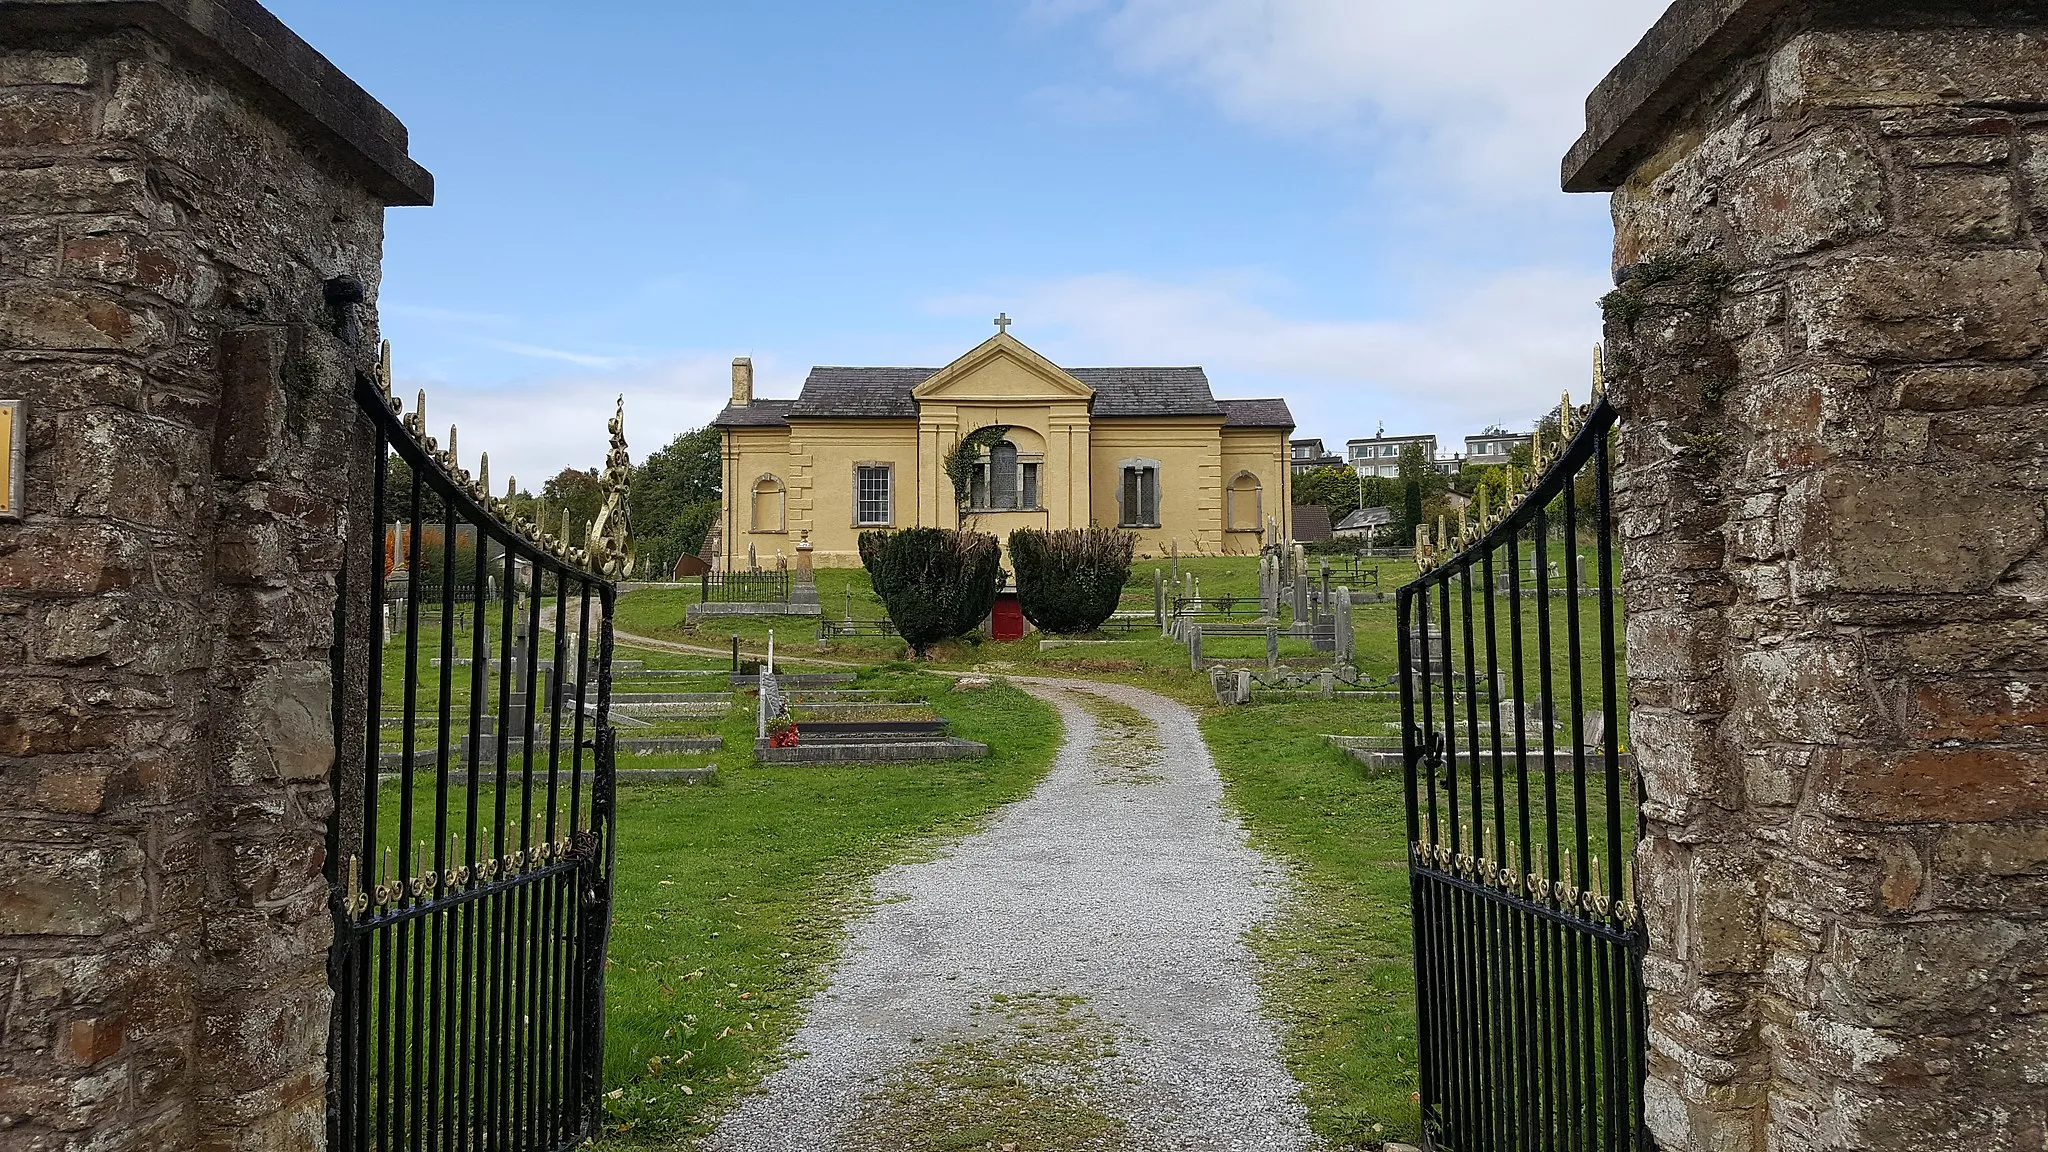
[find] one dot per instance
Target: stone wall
(1828, 349)
(169, 223)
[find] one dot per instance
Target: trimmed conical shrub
(935, 583)
(1070, 580)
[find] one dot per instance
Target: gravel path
(1119, 891)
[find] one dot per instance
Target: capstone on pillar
(1826, 342)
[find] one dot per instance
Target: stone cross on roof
(1003, 322)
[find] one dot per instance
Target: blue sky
(1350, 203)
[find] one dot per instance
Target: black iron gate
(1521, 819)
(471, 845)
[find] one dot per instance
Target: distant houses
(1309, 455)
(1381, 455)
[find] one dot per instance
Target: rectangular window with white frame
(873, 495)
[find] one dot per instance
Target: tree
(674, 500)
(1070, 580)
(935, 582)
(1411, 510)
(579, 491)
(1334, 488)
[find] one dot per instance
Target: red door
(1008, 621)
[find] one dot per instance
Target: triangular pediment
(1002, 370)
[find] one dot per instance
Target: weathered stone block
(75, 790)
(70, 890)
(1827, 190)
(1804, 693)
(90, 1040)
(37, 316)
(41, 117)
(1950, 388)
(1963, 204)
(43, 68)
(1978, 151)
(2001, 709)
(1982, 305)
(55, 186)
(1922, 529)
(1897, 68)
(285, 731)
(1960, 785)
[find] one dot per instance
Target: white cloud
(534, 430)
(1498, 349)
(1493, 89)
(537, 352)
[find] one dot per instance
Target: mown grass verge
(730, 900)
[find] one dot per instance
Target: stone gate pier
(1827, 347)
(191, 224)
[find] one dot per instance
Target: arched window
(768, 509)
(1245, 513)
(1006, 480)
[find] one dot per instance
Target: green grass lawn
(730, 899)
(716, 883)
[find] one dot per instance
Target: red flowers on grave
(782, 735)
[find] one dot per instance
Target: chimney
(742, 381)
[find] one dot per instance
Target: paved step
(871, 751)
(625, 698)
(660, 745)
(790, 680)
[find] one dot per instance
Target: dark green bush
(935, 582)
(1069, 580)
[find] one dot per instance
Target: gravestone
(1346, 638)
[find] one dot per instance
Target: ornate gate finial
(611, 536)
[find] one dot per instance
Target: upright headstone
(1195, 645)
(804, 584)
(1341, 619)
(1244, 686)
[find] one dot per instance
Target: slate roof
(1311, 522)
(885, 394)
(864, 393)
(759, 414)
(1149, 391)
(1268, 413)
(1367, 518)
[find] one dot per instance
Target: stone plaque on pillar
(13, 459)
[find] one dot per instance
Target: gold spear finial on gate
(483, 476)
(1564, 420)
(357, 901)
(453, 458)
(1595, 900)
(1599, 372)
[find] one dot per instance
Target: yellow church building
(1148, 449)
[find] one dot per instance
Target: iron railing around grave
(753, 586)
(472, 866)
(1522, 824)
